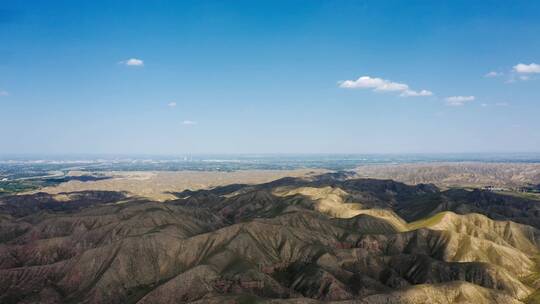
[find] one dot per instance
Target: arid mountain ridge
(327, 238)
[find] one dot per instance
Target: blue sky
(269, 76)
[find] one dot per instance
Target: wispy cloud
(411, 93)
(493, 74)
(4, 93)
(497, 104)
(189, 122)
(133, 62)
(531, 68)
(457, 101)
(171, 104)
(382, 85)
(519, 77)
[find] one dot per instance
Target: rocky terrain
(332, 238)
(457, 174)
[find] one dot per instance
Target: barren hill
(328, 238)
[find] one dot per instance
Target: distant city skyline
(210, 77)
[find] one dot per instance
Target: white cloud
(133, 62)
(519, 77)
(411, 93)
(382, 85)
(189, 122)
(4, 93)
(522, 68)
(172, 104)
(377, 84)
(484, 105)
(456, 101)
(493, 74)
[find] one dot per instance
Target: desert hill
(328, 238)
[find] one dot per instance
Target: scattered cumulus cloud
(522, 68)
(171, 104)
(493, 74)
(519, 72)
(382, 85)
(457, 101)
(3, 93)
(133, 62)
(377, 84)
(189, 122)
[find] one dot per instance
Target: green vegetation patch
(427, 222)
(12, 187)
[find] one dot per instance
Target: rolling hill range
(332, 238)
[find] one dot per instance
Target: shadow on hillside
(26, 204)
